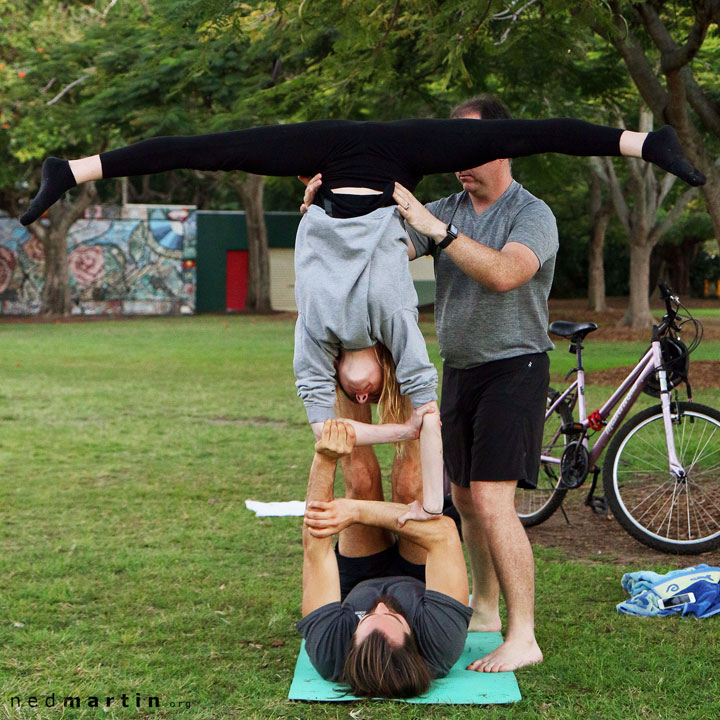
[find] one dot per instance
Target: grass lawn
(129, 563)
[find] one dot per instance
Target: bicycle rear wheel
(536, 506)
(672, 515)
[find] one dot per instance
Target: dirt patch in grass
(576, 310)
(600, 538)
(703, 374)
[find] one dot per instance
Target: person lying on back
(386, 611)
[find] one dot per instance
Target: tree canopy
(109, 73)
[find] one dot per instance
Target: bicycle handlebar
(669, 298)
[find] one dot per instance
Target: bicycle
(661, 472)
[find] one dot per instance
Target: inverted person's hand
(418, 415)
(337, 439)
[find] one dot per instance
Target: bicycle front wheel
(536, 506)
(665, 513)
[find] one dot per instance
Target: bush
(705, 267)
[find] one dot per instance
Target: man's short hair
(487, 106)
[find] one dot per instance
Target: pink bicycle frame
(633, 386)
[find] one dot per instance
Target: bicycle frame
(632, 385)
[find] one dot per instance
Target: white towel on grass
(295, 508)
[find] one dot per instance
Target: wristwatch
(452, 233)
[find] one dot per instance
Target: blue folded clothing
(692, 591)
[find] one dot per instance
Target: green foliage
(694, 224)
(41, 89)
(192, 66)
(705, 267)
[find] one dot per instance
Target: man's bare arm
(321, 579)
(445, 569)
(499, 270)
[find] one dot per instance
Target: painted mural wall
(142, 262)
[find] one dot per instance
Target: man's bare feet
(482, 621)
(511, 655)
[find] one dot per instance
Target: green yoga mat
(460, 687)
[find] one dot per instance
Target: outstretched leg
(280, 150)
(451, 145)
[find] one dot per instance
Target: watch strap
(452, 233)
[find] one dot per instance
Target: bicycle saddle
(574, 331)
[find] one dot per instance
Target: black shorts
(492, 420)
(386, 563)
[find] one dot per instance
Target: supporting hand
(311, 187)
(324, 519)
(418, 414)
(417, 215)
(337, 439)
(416, 511)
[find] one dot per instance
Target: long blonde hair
(393, 406)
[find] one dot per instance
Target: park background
(80, 77)
(129, 563)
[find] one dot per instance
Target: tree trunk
(687, 252)
(659, 271)
(55, 299)
(711, 195)
(596, 265)
(600, 217)
(638, 313)
(671, 263)
(258, 296)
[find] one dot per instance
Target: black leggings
(366, 154)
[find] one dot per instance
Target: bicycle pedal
(574, 428)
(599, 506)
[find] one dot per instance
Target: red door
(236, 279)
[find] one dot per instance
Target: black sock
(57, 178)
(663, 148)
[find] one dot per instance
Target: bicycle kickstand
(562, 509)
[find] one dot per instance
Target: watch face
(452, 230)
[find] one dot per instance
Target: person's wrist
(354, 512)
(451, 233)
(325, 460)
(439, 231)
(410, 431)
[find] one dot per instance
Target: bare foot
(511, 655)
(485, 621)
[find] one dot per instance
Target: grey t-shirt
(439, 624)
(354, 289)
(476, 325)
